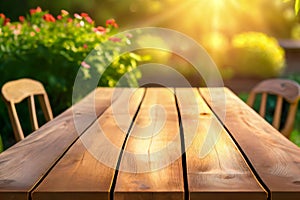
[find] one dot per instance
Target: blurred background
(248, 40)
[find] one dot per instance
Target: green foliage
(297, 6)
(1, 144)
(52, 50)
(257, 55)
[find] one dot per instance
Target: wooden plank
(275, 159)
(25, 163)
(151, 167)
(215, 167)
(88, 168)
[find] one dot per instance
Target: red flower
(111, 22)
(49, 18)
(84, 15)
(100, 29)
(37, 10)
(7, 20)
(85, 46)
(59, 17)
(87, 17)
(70, 20)
(2, 16)
(21, 19)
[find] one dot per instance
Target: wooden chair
(14, 92)
(283, 89)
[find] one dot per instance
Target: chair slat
(262, 109)
(32, 112)
(277, 114)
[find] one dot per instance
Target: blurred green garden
(49, 40)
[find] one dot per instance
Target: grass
(295, 135)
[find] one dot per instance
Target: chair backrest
(284, 90)
(14, 92)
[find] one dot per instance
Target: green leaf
(297, 6)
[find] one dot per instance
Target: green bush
(256, 55)
(52, 50)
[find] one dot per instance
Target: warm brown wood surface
(275, 159)
(215, 168)
(154, 148)
(80, 174)
(74, 156)
(24, 164)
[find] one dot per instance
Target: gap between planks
(67, 149)
(182, 146)
(183, 153)
(244, 156)
(113, 184)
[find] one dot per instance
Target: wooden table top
(153, 143)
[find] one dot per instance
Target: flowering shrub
(52, 50)
(257, 55)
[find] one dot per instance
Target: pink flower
(64, 12)
(77, 16)
(37, 29)
(21, 19)
(111, 22)
(37, 10)
(85, 65)
(17, 32)
(115, 39)
(129, 35)
(85, 46)
(59, 17)
(89, 20)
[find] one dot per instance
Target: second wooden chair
(14, 92)
(284, 90)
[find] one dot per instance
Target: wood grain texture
(220, 173)
(151, 166)
(25, 163)
(88, 168)
(275, 159)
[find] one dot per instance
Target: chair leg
(277, 115)
(289, 124)
(15, 122)
(45, 105)
(32, 112)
